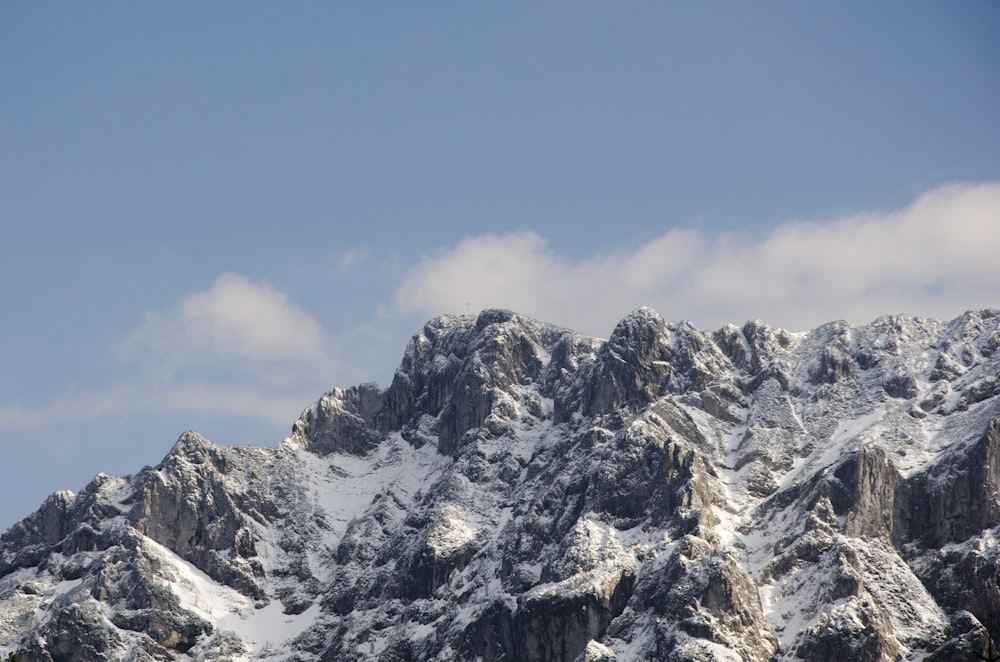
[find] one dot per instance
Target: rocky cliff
(524, 492)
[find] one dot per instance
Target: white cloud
(244, 349)
(936, 257)
(236, 349)
(234, 320)
(188, 398)
(353, 258)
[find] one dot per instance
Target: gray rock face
(524, 492)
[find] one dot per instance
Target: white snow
(797, 432)
(261, 629)
(196, 591)
(835, 448)
(452, 532)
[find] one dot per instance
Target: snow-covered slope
(524, 492)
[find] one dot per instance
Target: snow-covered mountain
(523, 492)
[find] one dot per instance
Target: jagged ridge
(524, 492)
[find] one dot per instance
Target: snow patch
(260, 629)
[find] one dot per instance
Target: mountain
(524, 492)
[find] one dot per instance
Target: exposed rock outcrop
(523, 492)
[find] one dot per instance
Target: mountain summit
(524, 492)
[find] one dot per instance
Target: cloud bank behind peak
(935, 257)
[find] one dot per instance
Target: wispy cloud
(935, 257)
(353, 258)
(238, 348)
(234, 320)
(245, 349)
(189, 398)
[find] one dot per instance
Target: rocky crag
(522, 492)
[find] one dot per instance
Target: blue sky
(214, 212)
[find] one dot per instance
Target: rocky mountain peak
(639, 335)
(523, 491)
